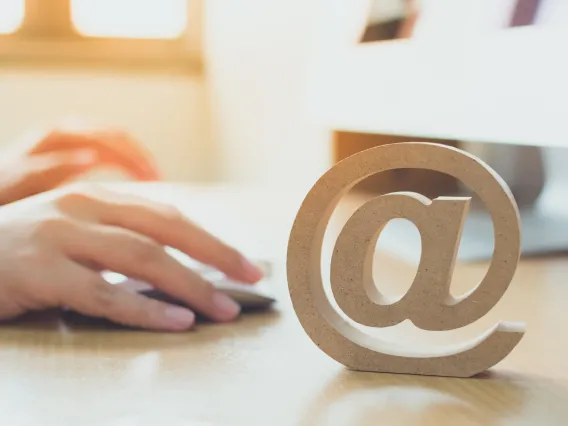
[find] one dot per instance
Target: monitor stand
(544, 222)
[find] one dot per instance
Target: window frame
(47, 37)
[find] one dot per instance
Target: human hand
(54, 246)
(47, 159)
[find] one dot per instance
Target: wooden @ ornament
(428, 303)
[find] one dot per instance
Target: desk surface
(263, 369)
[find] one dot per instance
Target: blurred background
(212, 88)
(275, 92)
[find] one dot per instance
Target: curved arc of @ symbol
(350, 346)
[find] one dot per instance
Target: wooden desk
(263, 370)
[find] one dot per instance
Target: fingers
(120, 149)
(139, 257)
(86, 292)
(44, 172)
(169, 227)
(53, 169)
(112, 148)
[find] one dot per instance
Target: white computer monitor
(504, 87)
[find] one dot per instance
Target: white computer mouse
(246, 295)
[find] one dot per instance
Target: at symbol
(428, 303)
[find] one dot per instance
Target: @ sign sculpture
(428, 303)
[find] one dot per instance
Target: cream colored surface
(264, 370)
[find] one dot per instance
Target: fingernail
(252, 272)
(179, 318)
(225, 305)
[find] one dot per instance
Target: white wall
(257, 53)
(177, 134)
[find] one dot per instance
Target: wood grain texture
(263, 370)
(428, 303)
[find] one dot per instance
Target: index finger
(168, 226)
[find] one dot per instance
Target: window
(11, 15)
(140, 33)
(115, 18)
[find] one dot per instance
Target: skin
(47, 159)
(57, 238)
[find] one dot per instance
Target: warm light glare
(130, 18)
(11, 15)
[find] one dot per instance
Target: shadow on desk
(54, 329)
